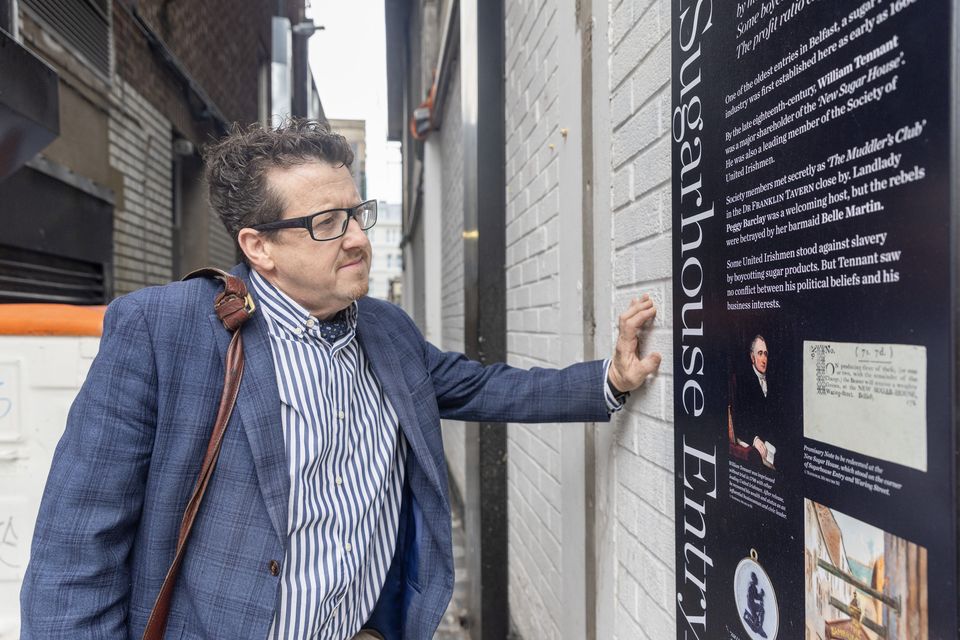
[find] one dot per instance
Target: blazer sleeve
(467, 390)
(77, 583)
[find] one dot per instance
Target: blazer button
(274, 568)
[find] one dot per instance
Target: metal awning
(29, 105)
(396, 14)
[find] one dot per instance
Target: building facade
(355, 131)
(824, 542)
(142, 86)
(385, 237)
(387, 266)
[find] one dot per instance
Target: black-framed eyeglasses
(329, 224)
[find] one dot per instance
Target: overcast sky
(348, 59)
(862, 541)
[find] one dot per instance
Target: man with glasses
(327, 515)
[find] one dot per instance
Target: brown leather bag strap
(233, 306)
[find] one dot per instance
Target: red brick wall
(220, 43)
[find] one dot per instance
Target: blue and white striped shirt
(346, 462)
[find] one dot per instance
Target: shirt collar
(290, 317)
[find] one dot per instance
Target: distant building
(387, 267)
(355, 131)
(386, 235)
(884, 597)
(905, 579)
(824, 541)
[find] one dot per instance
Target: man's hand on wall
(628, 370)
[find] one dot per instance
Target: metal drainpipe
(482, 44)
(585, 26)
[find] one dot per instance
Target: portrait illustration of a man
(753, 411)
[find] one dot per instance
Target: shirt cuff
(614, 402)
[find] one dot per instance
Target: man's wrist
(614, 390)
(614, 396)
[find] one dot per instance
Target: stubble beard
(360, 289)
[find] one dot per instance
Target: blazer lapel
(258, 406)
(377, 344)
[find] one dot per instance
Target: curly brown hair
(237, 164)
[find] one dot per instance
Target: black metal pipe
(482, 44)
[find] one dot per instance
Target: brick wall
(140, 151)
(151, 103)
(533, 296)
(118, 132)
(208, 38)
(639, 105)
(450, 140)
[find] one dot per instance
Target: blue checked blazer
(135, 439)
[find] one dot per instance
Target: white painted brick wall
(450, 138)
(639, 94)
(141, 150)
(637, 565)
(533, 296)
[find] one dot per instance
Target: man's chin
(359, 290)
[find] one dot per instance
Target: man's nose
(354, 234)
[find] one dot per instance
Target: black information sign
(813, 319)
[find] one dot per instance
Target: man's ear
(257, 248)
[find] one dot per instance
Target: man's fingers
(627, 314)
(628, 366)
(636, 304)
(637, 319)
(639, 305)
(651, 363)
(641, 311)
(644, 315)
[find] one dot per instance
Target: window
(82, 25)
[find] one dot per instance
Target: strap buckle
(249, 305)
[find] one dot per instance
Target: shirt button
(274, 568)
(339, 480)
(348, 547)
(310, 323)
(340, 415)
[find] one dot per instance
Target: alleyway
(451, 627)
